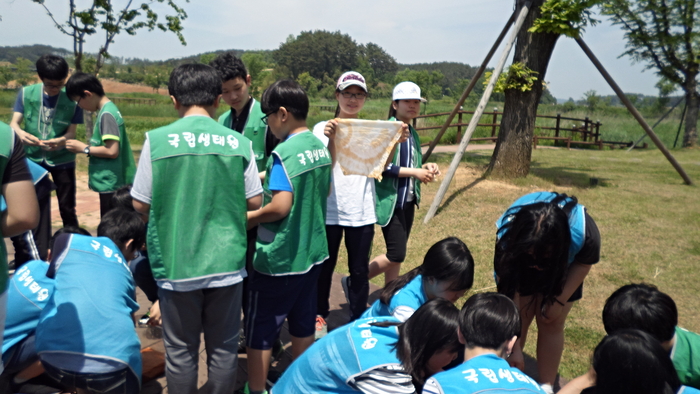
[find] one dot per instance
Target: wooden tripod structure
(487, 95)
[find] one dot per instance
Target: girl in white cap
(350, 210)
(398, 193)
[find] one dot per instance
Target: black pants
(34, 244)
(358, 241)
(64, 178)
(105, 203)
(252, 235)
(398, 230)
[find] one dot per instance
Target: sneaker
(143, 321)
(321, 327)
(547, 388)
(246, 390)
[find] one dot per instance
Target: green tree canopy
(318, 52)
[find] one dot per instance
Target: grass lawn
(648, 219)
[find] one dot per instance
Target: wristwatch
(87, 150)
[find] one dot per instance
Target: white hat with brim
(351, 78)
(407, 91)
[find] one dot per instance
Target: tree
(23, 73)
(664, 35)
(592, 100)
(383, 65)
(429, 82)
(317, 52)
(102, 16)
(545, 22)
(256, 65)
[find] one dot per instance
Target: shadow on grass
(568, 177)
(457, 193)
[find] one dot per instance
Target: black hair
(121, 225)
(632, 361)
(488, 320)
(643, 307)
(229, 67)
(288, 94)
(122, 198)
(392, 110)
(67, 230)
(79, 82)
(52, 67)
(447, 260)
(431, 329)
(532, 256)
(195, 84)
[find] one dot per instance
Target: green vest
(294, 244)
(197, 225)
(386, 189)
(108, 175)
(254, 129)
(7, 142)
(33, 99)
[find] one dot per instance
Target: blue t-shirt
(87, 325)
(403, 303)
(49, 104)
(278, 177)
(482, 374)
(27, 295)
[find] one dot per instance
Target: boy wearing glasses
(195, 181)
(50, 118)
(111, 164)
(291, 241)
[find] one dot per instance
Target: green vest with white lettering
(294, 244)
(33, 99)
(197, 223)
(254, 129)
(7, 142)
(385, 195)
(108, 175)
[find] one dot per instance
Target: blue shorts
(271, 299)
(21, 355)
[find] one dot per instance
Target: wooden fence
(582, 132)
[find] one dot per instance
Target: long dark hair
(431, 329)
(392, 110)
(447, 260)
(632, 361)
(532, 256)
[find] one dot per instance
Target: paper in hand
(362, 146)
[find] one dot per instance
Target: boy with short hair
(195, 181)
(291, 241)
(82, 346)
(489, 326)
(28, 294)
(50, 119)
(111, 162)
(644, 307)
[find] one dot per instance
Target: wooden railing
(133, 100)
(588, 132)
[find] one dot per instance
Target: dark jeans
(64, 178)
(358, 242)
(143, 276)
(34, 244)
(117, 382)
(105, 203)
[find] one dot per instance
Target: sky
(411, 31)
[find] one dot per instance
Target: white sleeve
(403, 312)
(318, 132)
(432, 387)
(142, 189)
(253, 187)
(388, 379)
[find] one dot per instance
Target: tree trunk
(690, 137)
(511, 158)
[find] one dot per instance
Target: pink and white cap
(407, 91)
(351, 78)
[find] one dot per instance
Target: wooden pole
(477, 114)
(634, 112)
(656, 124)
(469, 88)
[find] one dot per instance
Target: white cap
(351, 78)
(407, 91)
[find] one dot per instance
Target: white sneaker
(547, 388)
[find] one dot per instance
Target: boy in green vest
(50, 118)
(111, 162)
(291, 241)
(195, 181)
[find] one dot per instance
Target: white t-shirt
(351, 202)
